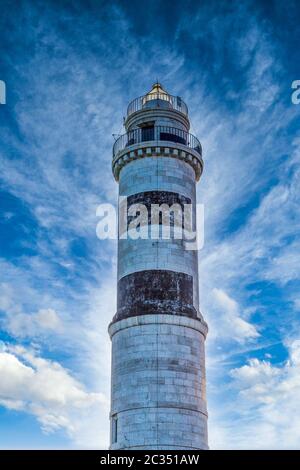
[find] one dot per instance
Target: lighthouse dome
(157, 97)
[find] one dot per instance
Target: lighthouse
(158, 333)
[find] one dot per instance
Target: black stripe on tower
(147, 198)
(155, 291)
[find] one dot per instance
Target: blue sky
(70, 70)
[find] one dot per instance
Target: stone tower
(158, 333)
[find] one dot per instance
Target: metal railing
(157, 100)
(155, 133)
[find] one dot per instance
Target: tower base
(158, 383)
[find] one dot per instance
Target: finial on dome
(157, 88)
(157, 92)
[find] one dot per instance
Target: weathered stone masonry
(158, 333)
(155, 291)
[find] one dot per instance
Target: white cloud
(83, 337)
(285, 266)
(265, 409)
(48, 391)
(262, 249)
(48, 319)
(260, 407)
(20, 324)
(6, 297)
(42, 322)
(228, 317)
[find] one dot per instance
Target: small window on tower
(147, 133)
(114, 429)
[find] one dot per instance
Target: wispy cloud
(267, 402)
